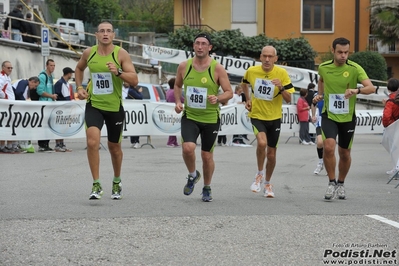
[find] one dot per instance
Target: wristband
(358, 90)
(79, 87)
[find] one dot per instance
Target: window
(317, 15)
(243, 11)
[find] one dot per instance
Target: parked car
(66, 33)
(152, 92)
(76, 24)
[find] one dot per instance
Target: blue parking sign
(45, 42)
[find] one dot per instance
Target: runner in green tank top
(201, 77)
(109, 66)
(338, 87)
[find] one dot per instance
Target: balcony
(375, 45)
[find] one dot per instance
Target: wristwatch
(120, 71)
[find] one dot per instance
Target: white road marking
(384, 220)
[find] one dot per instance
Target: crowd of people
(20, 28)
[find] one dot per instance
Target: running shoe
(65, 148)
(305, 142)
(58, 148)
(207, 194)
(319, 168)
(268, 191)
(340, 191)
(255, 187)
(96, 191)
(330, 192)
(191, 181)
(135, 145)
(116, 190)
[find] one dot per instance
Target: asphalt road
(46, 217)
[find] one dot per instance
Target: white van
(76, 24)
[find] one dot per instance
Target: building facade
(319, 21)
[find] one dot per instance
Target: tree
(373, 63)
(384, 20)
(90, 11)
(235, 44)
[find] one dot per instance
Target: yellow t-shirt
(267, 100)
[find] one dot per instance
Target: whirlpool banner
(28, 120)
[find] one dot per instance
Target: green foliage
(234, 43)
(373, 63)
(126, 15)
(90, 11)
(384, 20)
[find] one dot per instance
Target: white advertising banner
(300, 77)
(34, 120)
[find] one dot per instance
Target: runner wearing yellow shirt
(270, 84)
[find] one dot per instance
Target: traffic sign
(45, 42)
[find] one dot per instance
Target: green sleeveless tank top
(105, 89)
(197, 86)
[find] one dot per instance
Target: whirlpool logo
(166, 121)
(245, 120)
(66, 120)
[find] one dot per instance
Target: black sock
(333, 181)
(340, 182)
(320, 153)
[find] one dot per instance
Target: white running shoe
(340, 191)
(318, 169)
(255, 187)
(330, 192)
(268, 191)
(135, 145)
(305, 143)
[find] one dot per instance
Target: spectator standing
(391, 110)
(46, 92)
(271, 84)
(238, 140)
(316, 119)
(201, 77)
(310, 93)
(7, 93)
(337, 85)
(61, 88)
(109, 65)
(134, 93)
(17, 26)
(302, 109)
(30, 29)
(24, 89)
(170, 98)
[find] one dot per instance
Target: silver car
(64, 34)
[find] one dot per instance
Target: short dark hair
(48, 61)
(340, 41)
(171, 83)
(303, 92)
(393, 84)
(311, 86)
(20, 6)
(28, 15)
(203, 35)
(35, 79)
(105, 21)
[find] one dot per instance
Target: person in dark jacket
(30, 29)
(62, 89)
(25, 89)
(17, 26)
(134, 94)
